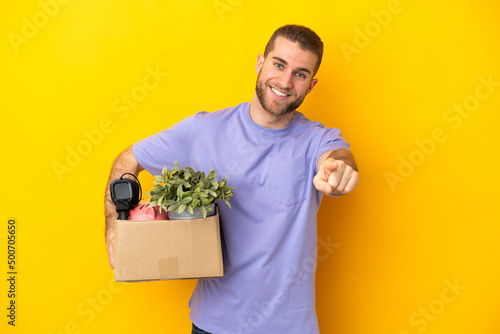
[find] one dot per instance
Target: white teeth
(277, 92)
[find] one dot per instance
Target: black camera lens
(125, 194)
(122, 190)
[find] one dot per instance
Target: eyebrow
(303, 69)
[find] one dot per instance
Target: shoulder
(316, 131)
(303, 124)
(221, 114)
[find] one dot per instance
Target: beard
(272, 106)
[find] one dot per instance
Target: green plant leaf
(188, 193)
(164, 172)
(186, 200)
(229, 205)
(176, 166)
(190, 209)
(206, 200)
(174, 206)
(181, 208)
(153, 203)
(204, 210)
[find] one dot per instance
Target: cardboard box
(167, 249)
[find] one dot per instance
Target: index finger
(330, 165)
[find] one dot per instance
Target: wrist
(345, 156)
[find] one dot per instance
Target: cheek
(302, 89)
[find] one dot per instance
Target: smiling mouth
(278, 92)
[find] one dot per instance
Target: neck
(265, 119)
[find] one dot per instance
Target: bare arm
(125, 162)
(337, 173)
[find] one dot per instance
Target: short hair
(307, 39)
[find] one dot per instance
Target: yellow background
(397, 245)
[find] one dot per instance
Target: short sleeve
(331, 141)
(162, 149)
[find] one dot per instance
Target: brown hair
(307, 39)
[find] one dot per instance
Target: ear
(311, 85)
(260, 62)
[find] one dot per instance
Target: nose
(286, 80)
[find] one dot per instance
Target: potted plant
(180, 190)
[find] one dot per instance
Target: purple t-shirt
(270, 232)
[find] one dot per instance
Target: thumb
(321, 184)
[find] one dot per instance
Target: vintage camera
(125, 194)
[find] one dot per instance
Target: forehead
(293, 54)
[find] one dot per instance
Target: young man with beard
(280, 163)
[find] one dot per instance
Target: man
(280, 164)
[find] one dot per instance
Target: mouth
(278, 93)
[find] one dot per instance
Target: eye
(278, 65)
(300, 75)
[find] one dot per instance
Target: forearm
(125, 162)
(344, 155)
